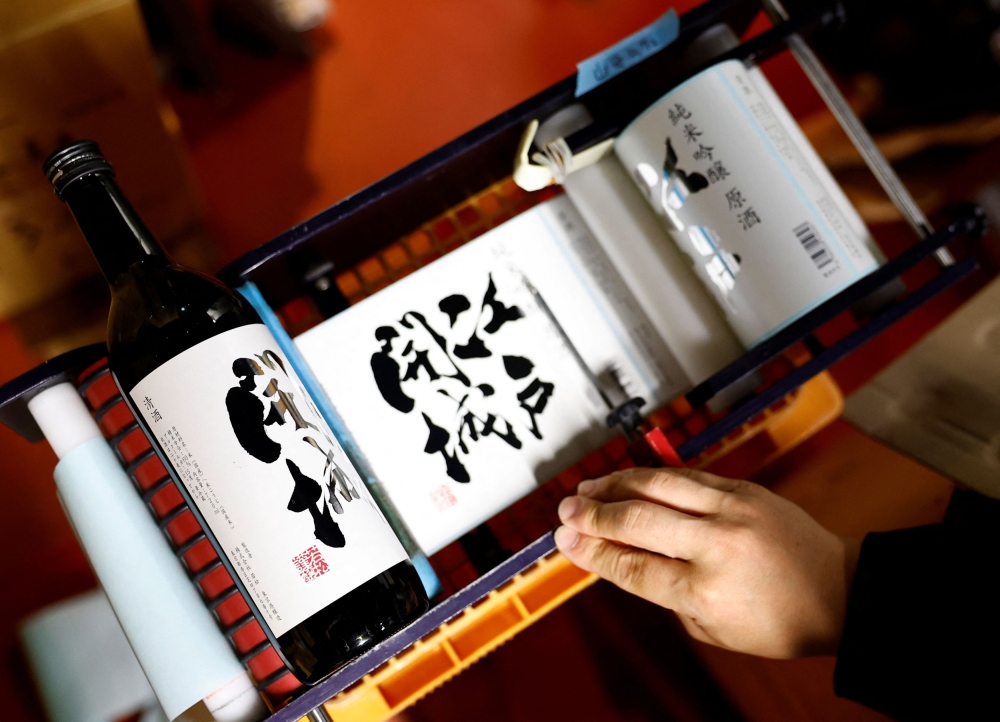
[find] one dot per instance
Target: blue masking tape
(252, 294)
(621, 56)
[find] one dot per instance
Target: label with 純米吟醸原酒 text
(267, 475)
(746, 199)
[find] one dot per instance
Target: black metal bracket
(15, 394)
(797, 330)
(823, 360)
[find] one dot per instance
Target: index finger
(656, 578)
(640, 524)
(687, 490)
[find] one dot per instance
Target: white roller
(178, 645)
(684, 315)
(63, 418)
(682, 312)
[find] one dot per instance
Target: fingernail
(566, 538)
(568, 507)
(585, 488)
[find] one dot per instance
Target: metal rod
(318, 715)
(568, 343)
(856, 131)
(827, 310)
(822, 361)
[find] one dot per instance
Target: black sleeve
(922, 636)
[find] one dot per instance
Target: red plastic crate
(134, 444)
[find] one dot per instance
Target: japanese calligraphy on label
(459, 390)
(267, 475)
(742, 194)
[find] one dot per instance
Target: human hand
(743, 568)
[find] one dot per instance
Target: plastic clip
(554, 162)
(529, 176)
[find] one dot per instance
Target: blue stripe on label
(621, 56)
(249, 291)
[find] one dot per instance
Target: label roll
(746, 199)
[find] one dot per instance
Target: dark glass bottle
(160, 310)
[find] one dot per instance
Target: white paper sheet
(83, 666)
(478, 399)
(677, 304)
(273, 485)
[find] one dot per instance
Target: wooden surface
(392, 81)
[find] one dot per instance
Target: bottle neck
(115, 232)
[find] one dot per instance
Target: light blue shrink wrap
(174, 637)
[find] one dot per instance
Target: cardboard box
(940, 402)
(73, 69)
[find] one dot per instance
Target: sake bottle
(289, 516)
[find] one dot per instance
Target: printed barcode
(815, 246)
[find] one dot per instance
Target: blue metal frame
(425, 625)
(823, 360)
(15, 394)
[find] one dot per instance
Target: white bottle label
(267, 474)
(751, 209)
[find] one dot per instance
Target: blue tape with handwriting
(621, 56)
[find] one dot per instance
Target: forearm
(922, 631)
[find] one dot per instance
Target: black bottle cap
(74, 161)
